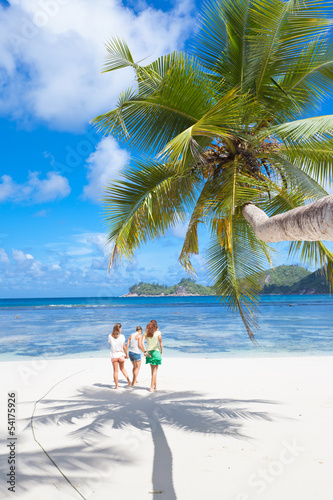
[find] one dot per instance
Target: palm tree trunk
(313, 222)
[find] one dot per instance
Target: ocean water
(191, 326)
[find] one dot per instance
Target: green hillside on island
(186, 286)
(281, 280)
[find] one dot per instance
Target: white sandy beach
(231, 429)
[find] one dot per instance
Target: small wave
(72, 305)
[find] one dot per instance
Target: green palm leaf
(236, 261)
(298, 131)
(314, 156)
(279, 30)
(299, 180)
(153, 118)
(119, 55)
(310, 80)
(149, 199)
(223, 120)
(221, 43)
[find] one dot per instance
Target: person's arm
(141, 345)
(125, 349)
(160, 341)
(128, 342)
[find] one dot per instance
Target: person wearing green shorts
(154, 350)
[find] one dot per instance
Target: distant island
(186, 286)
(281, 280)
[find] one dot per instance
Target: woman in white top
(134, 346)
(118, 353)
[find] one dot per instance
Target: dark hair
(138, 329)
(116, 330)
(151, 328)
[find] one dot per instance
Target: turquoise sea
(191, 326)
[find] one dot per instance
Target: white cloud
(26, 266)
(41, 213)
(180, 230)
(23, 275)
(20, 257)
(97, 240)
(7, 187)
(99, 264)
(4, 259)
(51, 54)
(35, 190)
(104, 165)
(82, 248)
(78, 266)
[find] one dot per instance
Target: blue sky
(53, 163)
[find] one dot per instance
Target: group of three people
(136, 343)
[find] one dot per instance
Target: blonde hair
(116, 330)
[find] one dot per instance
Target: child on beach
(155, 350)
(134, 345)
(118, 353)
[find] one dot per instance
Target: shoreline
(133, 295)
(214, 423)
(29, 299)
(172, 355)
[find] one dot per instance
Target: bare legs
(115, 373)
(123, 371)
(153, 386)
(136, 369)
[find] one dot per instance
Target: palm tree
(223, 138)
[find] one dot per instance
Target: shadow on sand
(96, 410)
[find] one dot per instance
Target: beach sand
(231, 429)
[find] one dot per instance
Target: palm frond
(210, 41)
(309, 79)
(268, 18)
(298, 131)
(191, 244)
(278, 32)
(236, 260)
(222, 42)
(150, 77)
(314, 156)
(149, 199)
(119, 55)
(233, 189)
(163, 106)
(297, 179)
(222, 120)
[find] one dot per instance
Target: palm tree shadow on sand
(190, 411)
